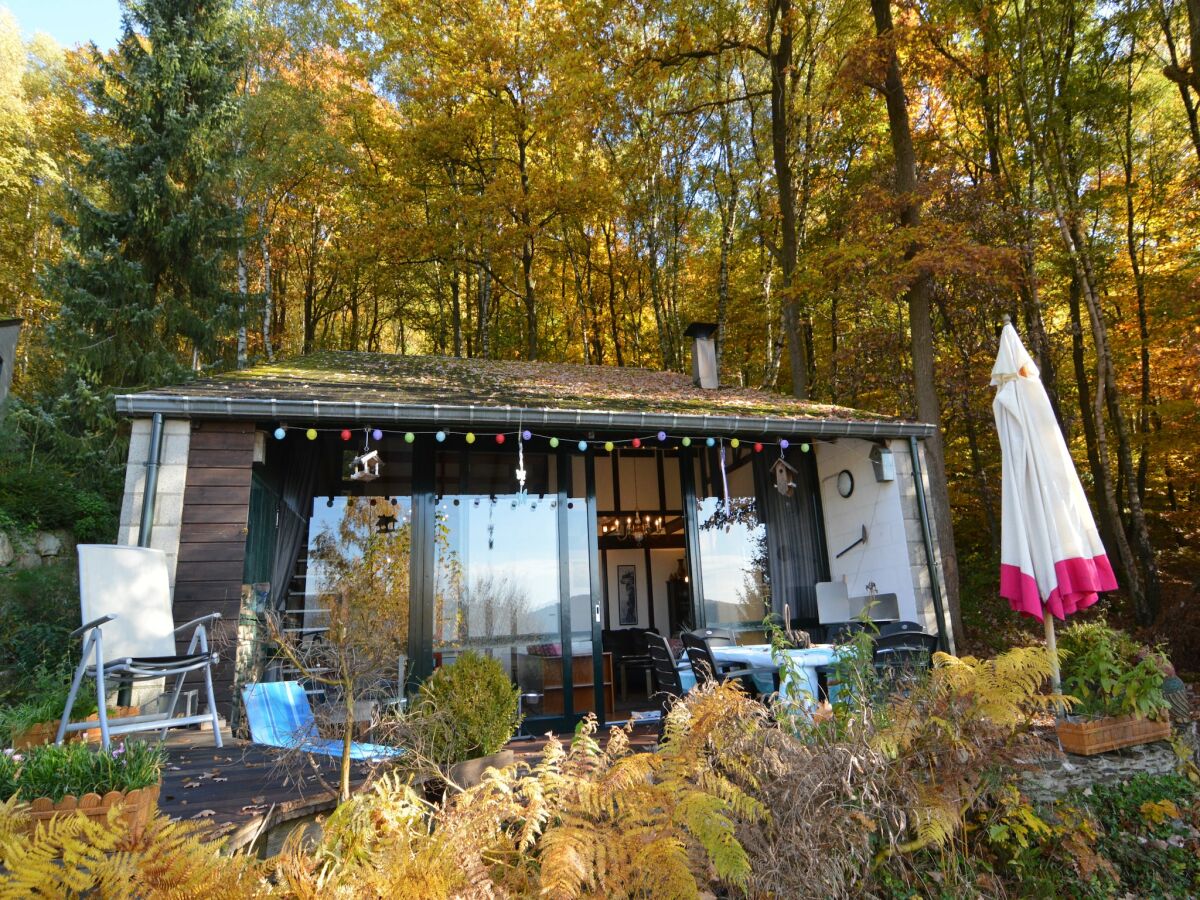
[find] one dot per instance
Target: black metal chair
(667, 684)
(628, 647)
(716, 637)
(707, 669)
(903, 656)
(900, 628)
(840, 632)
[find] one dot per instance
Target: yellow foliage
(1157, 812)
(587, 821)
(75, 855)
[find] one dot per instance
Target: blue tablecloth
(798, 681)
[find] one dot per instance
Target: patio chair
(903, 656)
(129, 635)
(707, 669)
(901, 628)
(279, 715)
(716, 637)
(667, 684)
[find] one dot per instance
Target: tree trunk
(779, 14)
(265, 249)
(918, 297)
(1174, 71)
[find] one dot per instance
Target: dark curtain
(796, 553)
(299, 466)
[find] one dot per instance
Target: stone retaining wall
(1053, 777)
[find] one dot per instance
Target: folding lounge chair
(125, 598)
(279, 716)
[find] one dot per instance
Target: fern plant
(75, 856)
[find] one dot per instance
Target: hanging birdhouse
(785, 477)
(366, 467)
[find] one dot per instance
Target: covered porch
(540, 514)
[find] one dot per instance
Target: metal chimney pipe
(704, 355)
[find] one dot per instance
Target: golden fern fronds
(59, 858)
(1004, 689)
(175, 859)
(936, 818)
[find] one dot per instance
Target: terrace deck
(243, 792)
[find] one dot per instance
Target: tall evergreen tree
(151, 225)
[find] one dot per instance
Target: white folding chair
(125, 598)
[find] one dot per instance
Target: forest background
(855, 190)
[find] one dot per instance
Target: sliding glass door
(512, 576)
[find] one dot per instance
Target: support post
(945, 638)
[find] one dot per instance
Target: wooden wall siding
(212, 539)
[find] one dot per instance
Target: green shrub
(1109, 674)
(56, 771)
(466, 709)
(38, 610)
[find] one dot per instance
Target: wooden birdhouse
(785, 476)
(366, 467)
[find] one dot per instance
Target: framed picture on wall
(627, 595)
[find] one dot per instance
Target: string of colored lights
(608, 445)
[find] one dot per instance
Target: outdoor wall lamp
(883, 463)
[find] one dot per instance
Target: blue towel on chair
(279, 716)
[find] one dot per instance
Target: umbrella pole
(1052, 649)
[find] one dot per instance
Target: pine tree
(151, 226)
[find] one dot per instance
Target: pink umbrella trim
(1079, 582)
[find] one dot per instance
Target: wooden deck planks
(242, 792)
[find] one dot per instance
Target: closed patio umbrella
(1051, 557)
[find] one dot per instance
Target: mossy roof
(340, 376)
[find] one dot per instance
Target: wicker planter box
(1110, 733)
(135, 807)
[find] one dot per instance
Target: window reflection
(359, 552)
(732, 540)
(497, 587)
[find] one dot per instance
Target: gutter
(382, 414)
(945, 638)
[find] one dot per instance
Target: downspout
(945, 638)
(150, 489)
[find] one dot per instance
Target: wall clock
(845, 483)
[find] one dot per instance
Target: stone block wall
(172, 480)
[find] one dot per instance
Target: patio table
(798, 685)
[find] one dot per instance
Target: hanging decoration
(367, 465)
(725, 486)
(524, 435)
(785, 476)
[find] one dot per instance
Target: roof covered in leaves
(332, 385)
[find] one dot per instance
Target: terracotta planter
(92, 735)
(135, 806)
(44, 733)
(1110, 733)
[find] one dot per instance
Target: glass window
(497, 588)
(357, 575)
(732, 539)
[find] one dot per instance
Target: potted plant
(1117, 687)
(74, 778)
(35, 719)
